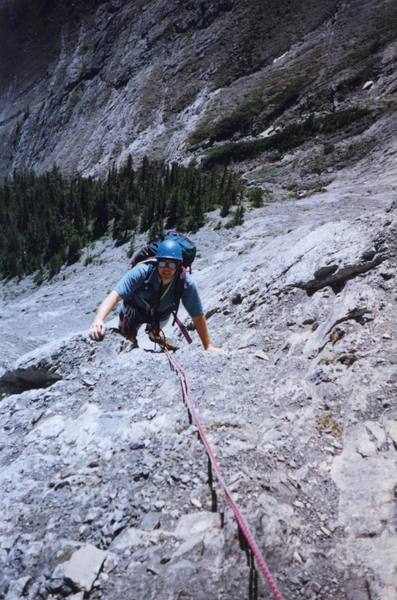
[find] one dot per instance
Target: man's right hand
(211, 348)
(97, 330)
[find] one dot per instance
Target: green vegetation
(318, 164)
(292, 136)
(327, 423)
(350, 84)
(336, 121)
(237, 218)
(267, 174)
(281, 102)
(258, 196)
(268, 195)
(242, 119)
(46, 220)
(239, 121)
(255, 196)
(329, 148)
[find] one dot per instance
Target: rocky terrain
(84, 84)
(104, 483)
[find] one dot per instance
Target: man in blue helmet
(150, 293)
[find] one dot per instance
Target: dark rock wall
(84, 83)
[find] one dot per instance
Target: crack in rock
(360, 316)
(336, 279)
(356, 314)
(31, 378)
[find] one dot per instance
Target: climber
(151, 292)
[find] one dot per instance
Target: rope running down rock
(241, 522)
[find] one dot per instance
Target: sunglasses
(163, 264)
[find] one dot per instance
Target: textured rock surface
(85, 83)
(83, 567)
(96, 451)
(300, 407)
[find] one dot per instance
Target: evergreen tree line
(46, 220)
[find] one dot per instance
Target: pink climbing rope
(233, 505)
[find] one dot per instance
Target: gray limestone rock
(306, 439)
(67, 93)
(83, 567)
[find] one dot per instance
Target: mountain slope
(99, 466)
(300, 407)
(85, 84)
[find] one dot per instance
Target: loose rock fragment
(84, 566)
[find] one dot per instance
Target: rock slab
(84, 566)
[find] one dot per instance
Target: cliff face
(100, 469)
(85, 83)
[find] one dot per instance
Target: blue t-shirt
(142, 287)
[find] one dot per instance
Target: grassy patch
(333, 122)
(327, 423)
(239, 121)
(292, 196)
(258, 196)
(267, 174)
(350, 84)
(328, 148)
(93, 259)
(242, 120)
(237, 218)
(268, 195)
(318, 164)
(255, 197)
(281, 102)
(291, 137)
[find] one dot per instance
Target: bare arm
(202, 329)
(97, 329)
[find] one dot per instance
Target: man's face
(167, 269)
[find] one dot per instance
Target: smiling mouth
(167, 273)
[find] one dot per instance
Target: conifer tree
(255, 196)
(74, 250)
(131, 247)
(46, 219)
(55, 265)
(172, 211)
(101, 214)
(156, 231)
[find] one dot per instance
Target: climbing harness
(160, 339)
(149, 313)
(247, 541)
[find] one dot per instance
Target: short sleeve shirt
(141, 286)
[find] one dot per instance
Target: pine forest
(46, 219)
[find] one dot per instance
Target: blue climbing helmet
(169, 249)
(150, 251)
